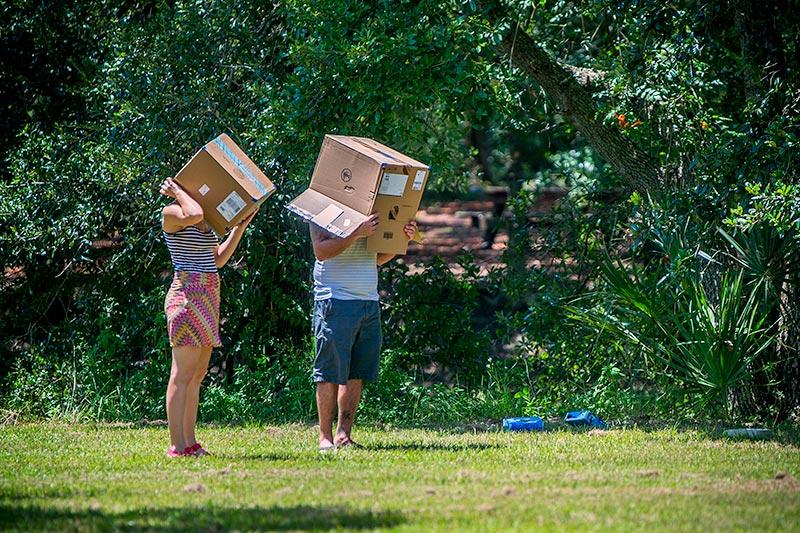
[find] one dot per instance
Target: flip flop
(173, 452)
(327, 448)
(350, 444)
(197, 450)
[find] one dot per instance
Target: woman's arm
(327, 246)
(185, 212)
(228, 247)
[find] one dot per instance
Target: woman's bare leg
(193, 396)
(184, 366)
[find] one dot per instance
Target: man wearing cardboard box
(356, 182)
(347, 324)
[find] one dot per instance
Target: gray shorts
(347, 340)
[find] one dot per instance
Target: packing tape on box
(239, 163)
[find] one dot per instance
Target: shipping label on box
(231, 206)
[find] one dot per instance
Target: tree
(668, 100)
(766, 40)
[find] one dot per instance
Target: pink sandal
(173, 452)
(196, 450)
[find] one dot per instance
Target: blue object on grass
(584, 418)
(523, 423)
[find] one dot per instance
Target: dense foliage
(672, 294)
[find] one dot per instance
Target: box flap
(327, 213)
(398, 157)
(238, 165)
(353, 143)
(324, 218)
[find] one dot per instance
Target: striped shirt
(192, 250)
(351, 275)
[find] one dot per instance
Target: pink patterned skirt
(192, 309)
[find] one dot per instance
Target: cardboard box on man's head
(225, 182)
(356, 177)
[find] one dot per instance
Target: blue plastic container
(584, 418)
(523, 423)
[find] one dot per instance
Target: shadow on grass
(211, 518)
(247, 424)
(283, 456)
(787, 434)
(8, 494)
(431, 446)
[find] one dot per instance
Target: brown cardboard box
(356, 177)
(225, 182)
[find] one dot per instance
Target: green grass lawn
(101, 477)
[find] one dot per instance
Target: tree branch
(584, 76)
(638, 169)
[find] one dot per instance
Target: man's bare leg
(326, 409)
(349, 397)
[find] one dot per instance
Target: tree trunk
(479, 139)
(789, 347)
(765, 60)
(638, 169)
(763, 57)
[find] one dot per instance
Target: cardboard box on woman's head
(356, 177)
(225, 182)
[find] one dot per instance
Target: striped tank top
(192, 250)
(351, 275)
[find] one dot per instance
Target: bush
(432, 316)
(85, 271)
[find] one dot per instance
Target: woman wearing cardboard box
(192, 309)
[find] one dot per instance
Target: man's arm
(327, 246)
(385, 258)
(409, 229)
